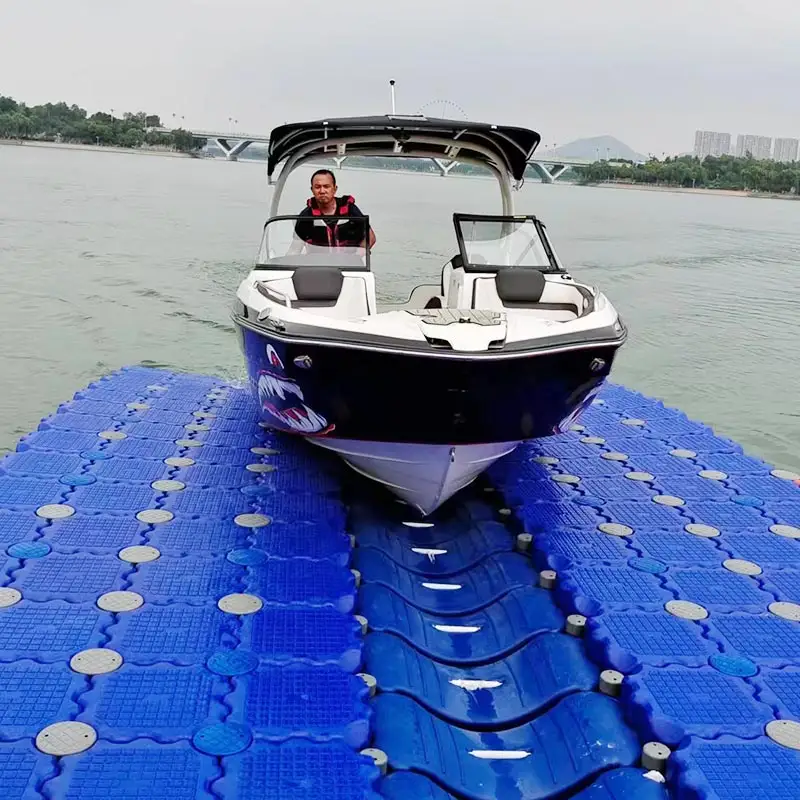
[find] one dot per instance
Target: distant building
(711, 143)
(786, 150)
(759, 147)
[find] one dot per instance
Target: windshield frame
(458, 219)
(288, 266)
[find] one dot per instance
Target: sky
(649, 72)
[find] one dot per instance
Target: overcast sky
(647, 71)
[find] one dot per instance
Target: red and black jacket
(333, 233)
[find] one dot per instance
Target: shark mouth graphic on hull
(278, 396)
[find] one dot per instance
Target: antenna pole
(394, 109)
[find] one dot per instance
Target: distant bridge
(548, 168)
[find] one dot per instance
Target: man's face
(323, 188)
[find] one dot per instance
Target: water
(110, 259)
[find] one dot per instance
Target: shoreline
(644, 187)
(136, 151)
(640, 187)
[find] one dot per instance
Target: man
(327, 218)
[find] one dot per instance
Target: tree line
(712, 172)
(61, 122)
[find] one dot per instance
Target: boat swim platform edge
(189, 603)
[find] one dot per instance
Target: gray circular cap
(576, 625)
(686, 610)
(611, 682)
(204, 415)
(634, 423)
(197, 426)
(66, 738)
(713, 475)
(139, 554)
(698, 529)
(785, 475)
(577, 428)
(741, 567)
(614, 456)
(264, 451)
(790, 611)
(137, 406)
(560, 478)
(784, 732)
(669, 500)
(251, 520)
(548, 461)
(524, 542)
(120, 601)
(504, 512)
(547, 578)
(371, 681)
(789, 531)
(55, 511)
(112, 436)
(179, 461)
(240, 604)
(598, 402)
(615, 529)
(9, 597)
(188, 443)
(96, 661)
(157, 387)
(593, 440)
(168, 486)
(362, 621)
(655, 756)
(639, 476)
(259, 467)
(154, 516)
(380, 758)
(681, 453)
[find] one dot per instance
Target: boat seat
(520, 287)
(528, 289)
(317, 286)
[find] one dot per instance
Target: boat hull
(423, 426)
(423, 475)
(371, 395)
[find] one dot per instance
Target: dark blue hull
(385, 396)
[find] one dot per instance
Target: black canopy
(512, 146)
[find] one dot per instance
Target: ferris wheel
(442, 109)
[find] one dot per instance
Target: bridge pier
(550, 173)
(232, 151)
(444, 166)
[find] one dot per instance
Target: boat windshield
(491, 243)
(289, 242)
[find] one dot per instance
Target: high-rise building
(711, 143)
(759, 147)
(786, 150)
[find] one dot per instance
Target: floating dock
(195, 608)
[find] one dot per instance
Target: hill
(602, 147)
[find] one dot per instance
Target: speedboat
(422, 398)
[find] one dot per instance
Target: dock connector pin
(655, 756)
(378, 756)
(576, 625)
(524, 542)
(547, 579)
(611, 682)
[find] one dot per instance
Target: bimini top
(411, 136)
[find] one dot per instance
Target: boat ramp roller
(189, 610)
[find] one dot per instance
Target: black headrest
(317, 284)
(520, 285)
